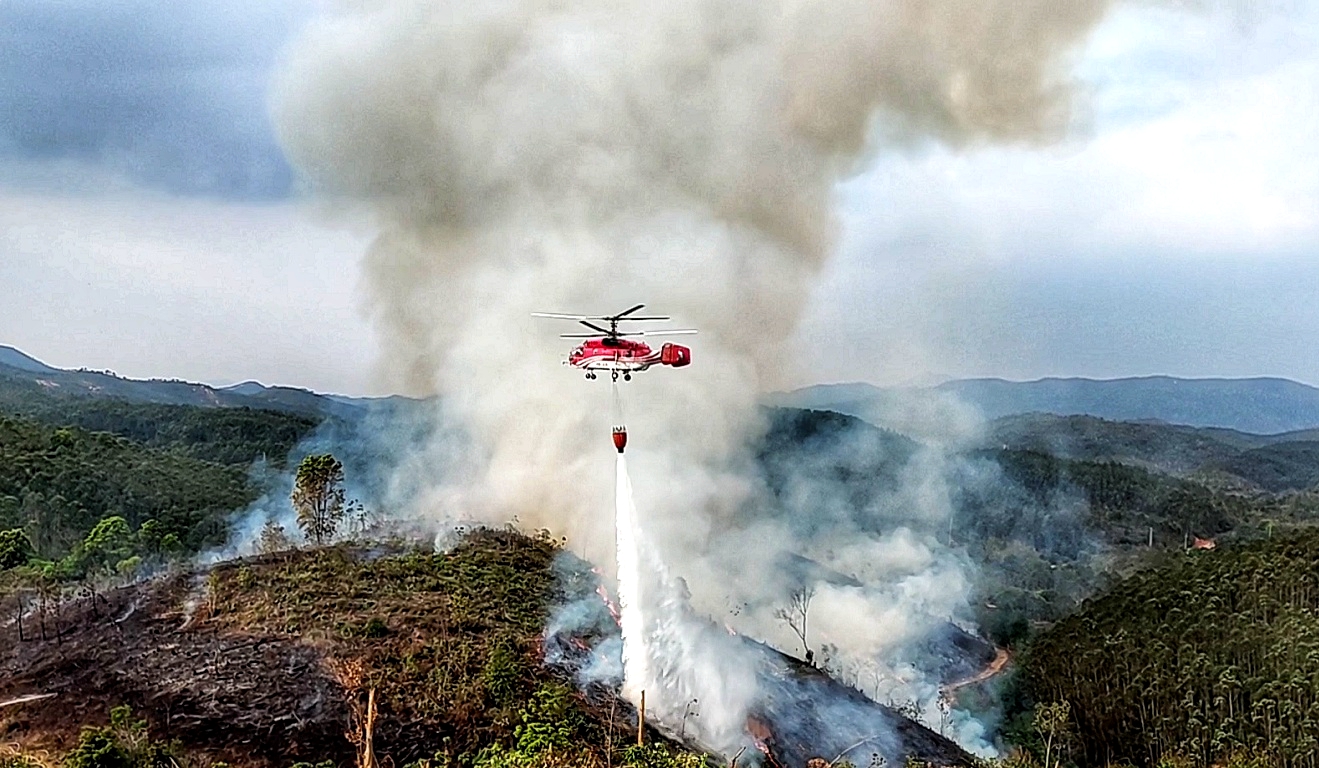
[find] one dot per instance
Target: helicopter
(606, 349)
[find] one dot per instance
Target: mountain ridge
(1260, 405)
(17, 368)
(16, 358)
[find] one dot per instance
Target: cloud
(1168, 235)
(170, 95)
(151, 285)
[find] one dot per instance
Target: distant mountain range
(1258, 405)
(21, 370)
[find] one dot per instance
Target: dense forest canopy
(1212, 653)
(222, 435)
(57, 483)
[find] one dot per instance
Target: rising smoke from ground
(586, 156)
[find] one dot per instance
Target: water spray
(635, 662)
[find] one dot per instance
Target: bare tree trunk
(609, 734)
(641, 720)
(369, 732)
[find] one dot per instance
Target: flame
(609, 603)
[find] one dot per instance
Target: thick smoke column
(583, 155)
(579, 155)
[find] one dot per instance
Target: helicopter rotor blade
(680, 332)
(594, 327)
(562, 316)
(583, 335)
(611, 318)
(626, 312)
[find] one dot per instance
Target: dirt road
(1001, 659)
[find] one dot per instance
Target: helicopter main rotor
(612, 332)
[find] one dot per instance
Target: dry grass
(14, 756)
(449, 643)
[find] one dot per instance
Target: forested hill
(164, 478)
(234, 436)
(1212, 653)
(1045, 530)
(1259, 405)
(25, 373)
(58, 483)
(1217, 457)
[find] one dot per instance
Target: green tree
(1053, 725)
(15, 549)
(273, 538)
(97, 748)
(149, 536)
(318, 496)
(108, 543)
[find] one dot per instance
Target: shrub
(97, 748)
(124, 743)
(15, 549)
(375, 627)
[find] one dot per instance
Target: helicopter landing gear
(615, 374)
(590, 375)
(627, 377)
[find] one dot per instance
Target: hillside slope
(1212, 653)
(263, 663)
(1275, 463)
(1261, 405)
(18, 370)
(60, 482)
(16, 359)
(233, 435)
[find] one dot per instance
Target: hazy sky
(149, 223)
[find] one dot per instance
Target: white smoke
(669, 651)
(585, 156)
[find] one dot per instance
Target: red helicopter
(609, 350)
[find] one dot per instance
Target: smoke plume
(585, 156)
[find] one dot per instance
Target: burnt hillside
(264, 662)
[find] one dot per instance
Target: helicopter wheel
(615, 375)
(627, 377)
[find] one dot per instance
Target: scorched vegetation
(336, 654)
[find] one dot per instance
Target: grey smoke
(586, 156)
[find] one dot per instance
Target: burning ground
(267, 661)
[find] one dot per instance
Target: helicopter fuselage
(624, 356)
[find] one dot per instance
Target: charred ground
(267, 661)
